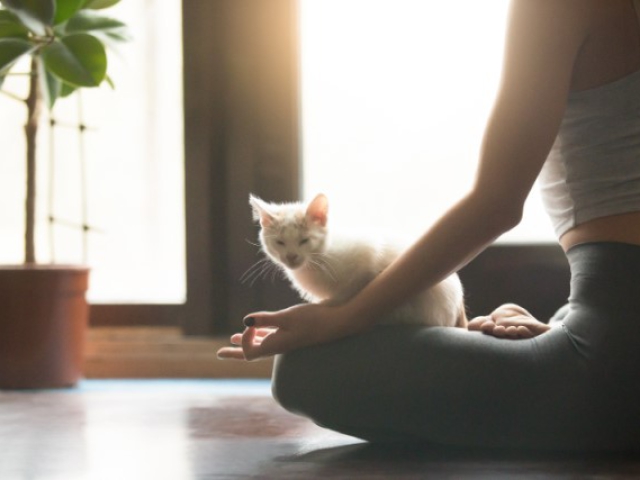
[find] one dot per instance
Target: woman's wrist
(352, 318)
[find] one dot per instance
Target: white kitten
(333, 268)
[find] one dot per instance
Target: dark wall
(533, 276)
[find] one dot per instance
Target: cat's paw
(509, 321)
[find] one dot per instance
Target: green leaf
(79, 59)
(11, 26)
(65, 9)
(109, 81)
(66, 90)
(11, 49)
(43, 10)
(109, 31)
(49, 85)
(91, 22)
(99, 4)
(34, 14)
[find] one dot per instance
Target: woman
(568, 111)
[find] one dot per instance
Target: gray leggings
(576, 387)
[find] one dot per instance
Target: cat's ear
(261, 211)
(318, 209)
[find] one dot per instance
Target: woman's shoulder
(611, 49)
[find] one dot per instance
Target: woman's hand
(270, 333)
(509, 321)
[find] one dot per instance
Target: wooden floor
(214, 429)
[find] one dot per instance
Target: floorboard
(215, 429)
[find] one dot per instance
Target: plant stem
(34, 109)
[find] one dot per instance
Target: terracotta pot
(43, 321)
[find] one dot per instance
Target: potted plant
(43, 310)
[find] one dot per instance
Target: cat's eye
(280, 242)
(303, 241)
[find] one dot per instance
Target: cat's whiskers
(252, 243)
(315, 266)
(253, 272)
(324, 256)
(321, 260)
(262, 268)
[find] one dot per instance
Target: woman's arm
(543, 40)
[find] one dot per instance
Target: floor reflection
(143, 430)
(42, 436)
(237, 417)
(183, 430)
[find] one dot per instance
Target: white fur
(333, 268)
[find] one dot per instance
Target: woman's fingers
(524, 332)
(263, 320)
(236, 339)
(237, 353)
(231, 353)
(255, 346)
(476, 323)
(488, 326)
(491, 328)
(504, 332)
(248, 346)
(533, 325)
(275, 342)
(513, 328)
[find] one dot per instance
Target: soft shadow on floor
(364, 460)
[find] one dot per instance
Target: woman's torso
(611, 52)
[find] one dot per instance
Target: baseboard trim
(161, 352)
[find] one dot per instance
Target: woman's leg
(574, 387)
(560, 315)
(443, 385)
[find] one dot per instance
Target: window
(395, 97)
(249, 129)
(133, 149)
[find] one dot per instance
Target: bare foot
(509, 321)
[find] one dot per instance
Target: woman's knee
(288, 383)
(306, 382)
(300, 385)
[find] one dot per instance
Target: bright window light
(134, 154)
(395, 97)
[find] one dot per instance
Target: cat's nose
(292, 257)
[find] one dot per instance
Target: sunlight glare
(395, 96)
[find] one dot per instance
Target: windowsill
(161, 352)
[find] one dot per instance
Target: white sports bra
(593, 169)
